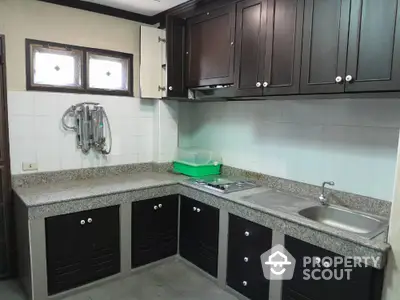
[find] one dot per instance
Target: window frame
(84, 89)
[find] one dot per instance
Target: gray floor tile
(172, 280)
(10, 290)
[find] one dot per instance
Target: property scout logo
(279, 264)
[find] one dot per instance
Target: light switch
(29, 166)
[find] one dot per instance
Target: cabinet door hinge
(161, 40)
(2, 59)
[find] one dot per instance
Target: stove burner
(223, 185)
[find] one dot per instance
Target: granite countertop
(279, 210)
(49, 193)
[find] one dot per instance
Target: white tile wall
(165, 130)
(36, 134)
(352, 142)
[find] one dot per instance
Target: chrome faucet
(322, 198)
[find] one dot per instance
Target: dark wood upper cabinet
(325, 35)
(210, 48)
(373, 60)
(250, 46)
(268, 47)
(176, 57)
(283, 51)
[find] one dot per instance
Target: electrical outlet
(29, 166)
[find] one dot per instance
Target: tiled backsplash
(36, 134)
(350, 141)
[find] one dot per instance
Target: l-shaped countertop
(262, 205)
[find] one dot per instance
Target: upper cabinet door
(283, 48)
(176, 57)
(374, 46)
(210, 47)
(251, 21)
(152, 50)
(325, 35)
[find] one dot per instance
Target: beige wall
(21, 19)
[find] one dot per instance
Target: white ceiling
(144, 7)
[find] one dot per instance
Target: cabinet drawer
(244, 234)
(251, 288)
(246, 242)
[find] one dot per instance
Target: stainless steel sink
(348, 220)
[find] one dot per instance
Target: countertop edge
(43, 210)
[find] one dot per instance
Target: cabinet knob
(349, 78)
(83, 222)
(246, 233)
(194, 208)
(246, 259)
(90, 220)
(160, 205)
(170, 88)
(155, 207)
(198, 210)
(208, 13)
(339, 79)
(326, 264)
(244, 283)
(258, 84)
(265, 84)
(232, 43)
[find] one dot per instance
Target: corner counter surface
(263, 205)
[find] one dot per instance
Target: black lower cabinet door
(66, 249)
(347, 283)
(82, 247)
(199, 230)
(246, 242)
(104, 257)
(154, 230)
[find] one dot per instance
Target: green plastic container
(194, 170)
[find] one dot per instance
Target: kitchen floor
(171, 280)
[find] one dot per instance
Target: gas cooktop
(223, 185)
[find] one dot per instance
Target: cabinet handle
(265, 84)
(258, 84)
(170, 88)
(83, 222)
(246, 259)
(349, 78)
(246, 233)
(89, 220)
(155, 207)
(339, 79)
(159, 205)
(244, 283)
(198, 210)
